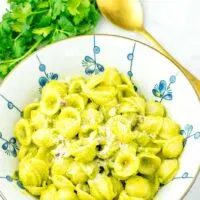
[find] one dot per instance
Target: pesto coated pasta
(96, 139)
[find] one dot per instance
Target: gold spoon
(128, 14)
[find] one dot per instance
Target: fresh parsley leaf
(43, 31)
(31, 24)
(19, 47)
(58, 36)
(58, 6)
(66, 25)
(45, 20)
(72, 6)
(21, 12)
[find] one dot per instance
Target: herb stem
(38, 12)
(14, 61)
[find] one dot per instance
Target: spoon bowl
(116, 11)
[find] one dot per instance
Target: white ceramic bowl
(155, 76)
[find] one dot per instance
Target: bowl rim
(114, 36)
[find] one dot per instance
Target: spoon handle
(193, 80)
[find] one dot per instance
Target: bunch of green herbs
(31, 24)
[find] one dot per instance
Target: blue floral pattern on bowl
(11, 105)
(10, 147)
(90, 64)
(130, 57)
(188, 133)
(163, 90)
(47, 76)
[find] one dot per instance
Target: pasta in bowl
(96, 132)
(96, 138)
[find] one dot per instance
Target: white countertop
(176, 24)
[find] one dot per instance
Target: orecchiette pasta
(167, 170)
(29, 108)
(149, 163)
(23, 132)
(125, 165)
(62, 182)
(49, 193)
(124, 196)
(173, 147)
(38, 120)
(50, 103)
(83, 192)
(155, 109)
(65, 193)
(96, 139)
(102, 187)
(138, 186)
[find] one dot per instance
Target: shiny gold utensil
(128, 14)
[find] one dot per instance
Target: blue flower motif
(10, 147)
(11, 105)
(90, 64)
(130, 57)
(163, 90)
(47, 76)
(187, 132)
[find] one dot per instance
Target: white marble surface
(176, 24)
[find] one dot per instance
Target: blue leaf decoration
(89, 71)
(20, 185)
(54, 77)
(168, 96)
(5, 146)
(182, 132)
(13, 140)
(162, 87)
(14, 152)
(100, 67)
(43, 81)
(89, 59)
(156, 92)
(188, 129)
